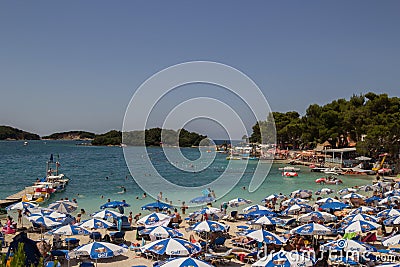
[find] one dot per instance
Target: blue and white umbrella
(98, 250)
(69, 230)
(236, 202)
(186, 262)
(334, 206)
(361, 210)
(210, 210)
(172, 246)
(273, 196)
(285, 259)
(46, 213)
(391, 241)
(105, 214)
(395, 192)
(63, 206)
(161, 231)
(361, 226)
(392, 220)
(156, 206)
(347, 191)
(202, 199)
(208, 226)
(372, 199)
(265, 220)
(114, 204)
(297, 208)
(312, 229)
(389, 213)
(154, 218)
(327, 200)
(366, 188)
(259, 213)
(358, 217)
(21, 206)
(353, 196)
(348, 245)
(292, 201)
(324, 191)
(317, 215)
(389, 199)
(265, 236)
(255, 208)
(96, 224)
(44, 221)
(301, 193)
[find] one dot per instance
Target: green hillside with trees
(372, 121)
(70, 135)
(10, 133)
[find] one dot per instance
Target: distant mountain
(71, 135)
(10, 133)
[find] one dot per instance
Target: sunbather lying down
(241, 239)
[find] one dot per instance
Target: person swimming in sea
(123, 190)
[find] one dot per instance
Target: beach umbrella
(362, 209)
(98, 250)
(210, 210)
(186, 262)
(69, 230)
(292, 201)
(255, 208)
(372, 199)
(208, 226)
(21, 205)
(317, 215)
(202, 199)
(347, 191)
(334, 206)
(161, 231)
(285, 259)
(324, 191)
(236, 202)
(301, 193)
(327, 200)
(311, 229)
(47, 213)
(362, 158)
(391, 241)
(44, 221)
(353, 196)
(63, 206)
(172, 246)
(114, 204)
(392, 221)
(273, 196)
(361, 226)
(96, 224)
(389, 199)
(392, 193)
(348, 245)
(154, 219)
(259, 213)
(265, 236)
(265, 220)
(389, 213)
(358, 217)
(156, 205)
(105, 214)
(366, 188)
(297, 208)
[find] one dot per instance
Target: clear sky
(74, 65)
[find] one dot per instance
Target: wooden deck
(15, 197)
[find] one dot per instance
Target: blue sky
(75, 65)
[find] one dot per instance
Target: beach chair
(95, 236)
(118, 238)
(138, 249)
(86, 264)
(219, 242)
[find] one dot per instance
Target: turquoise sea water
(87, 167)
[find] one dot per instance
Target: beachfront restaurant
(338, 155)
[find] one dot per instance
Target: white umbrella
(208, 226)
(265, 236)
(154, 219)
(172, 246)
(46, 213)
(361, 226)
(311, 229)
(238, 202)
(324, 191)
(21, 205)
(362, 209)
(292, 201)
(255, 208)
(353, 196)
(105, 214)
(347, 245)
(44, 221)
(347, 190)
(98, 250)
(265, 220)
(161, 231)
(96, 224)
(69, 230)
(391, 241)
(327, 217)
(186, 262)
(327, 200)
